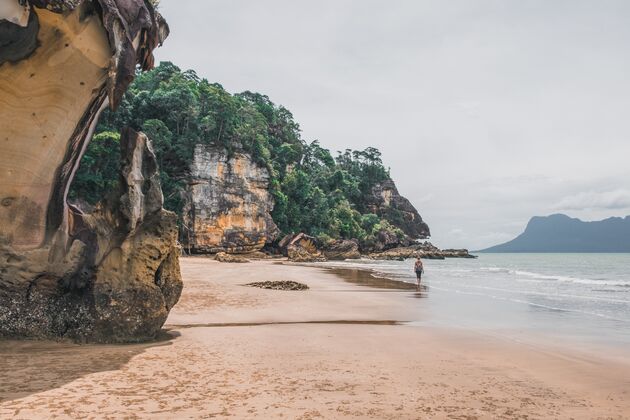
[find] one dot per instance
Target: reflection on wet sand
(371, 279)
(421, 292)
(30, 367)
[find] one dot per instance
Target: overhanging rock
(111, 275)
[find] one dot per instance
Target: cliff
(110, 275)
(387, 203)
(231, 160)
(228, 203)
(561, 233)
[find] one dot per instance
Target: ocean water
(583, 297)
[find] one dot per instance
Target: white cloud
(592, 200)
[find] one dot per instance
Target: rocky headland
(386, 202)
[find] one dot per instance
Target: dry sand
(334, 351)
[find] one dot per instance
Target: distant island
(561, 233)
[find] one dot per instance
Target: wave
(534, 304)
(560, 278)
(564, 297)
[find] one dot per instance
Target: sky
(487, 112)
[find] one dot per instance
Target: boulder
(259, 255)
(299, 254)
(300, 248)
(342, 250)
(457, 253)
(228, 258)
(386, 239)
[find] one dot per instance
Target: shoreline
(337, 350)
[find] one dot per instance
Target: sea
(577, 298)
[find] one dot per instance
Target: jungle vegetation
(315, 192)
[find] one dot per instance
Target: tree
(98, 171)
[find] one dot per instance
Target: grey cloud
(494, 109)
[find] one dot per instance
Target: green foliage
(314, 192)
(98, 173)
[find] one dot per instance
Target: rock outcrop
(279, 285)
(386, 239)
(342, 250)
(388, 204)
(422, 250)
(228, 204)
(111, 275)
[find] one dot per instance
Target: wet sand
(342, 349)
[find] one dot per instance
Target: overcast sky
(487, 112)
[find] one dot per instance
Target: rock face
(229, 203)
(111, 275)
(387, 203)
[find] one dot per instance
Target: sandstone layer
(111, 275)
(228, 203)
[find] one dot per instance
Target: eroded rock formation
(229, 203)
(111, 275)
(301, 248)
(387, 203)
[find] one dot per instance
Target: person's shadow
(30, 367)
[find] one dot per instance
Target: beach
(338, 350)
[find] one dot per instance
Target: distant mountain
(561, 233)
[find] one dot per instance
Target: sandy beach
(337, 350)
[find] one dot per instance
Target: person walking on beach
(419, 268)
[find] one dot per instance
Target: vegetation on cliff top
(315, 193)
